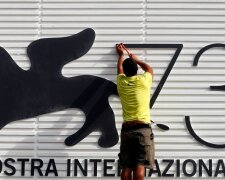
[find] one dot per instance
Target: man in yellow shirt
(137, 145)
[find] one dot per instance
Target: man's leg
(139, 172)
(126, 174)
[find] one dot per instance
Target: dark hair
(130, 67)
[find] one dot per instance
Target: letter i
(178, 168)
(68, 170)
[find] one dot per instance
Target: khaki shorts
(137, 148)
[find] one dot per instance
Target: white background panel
(193, 23)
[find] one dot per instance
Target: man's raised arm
(120, 59)
(143, 65)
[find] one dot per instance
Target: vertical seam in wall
(39, 33)
(145, 27)
(37, 118)
(39, 28)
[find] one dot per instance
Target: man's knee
(139, 175)
(126, 174)
(139, 172)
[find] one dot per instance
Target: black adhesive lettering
(185, 169)
(220, 168)
(169, 165)
(23, 162)
(51, 168)
(84, 169)
(68, 167)
(36, 165)
(11, 167)
(107, 167)
(178, 167)
(95, 163)
(0, 166)
(208, 169)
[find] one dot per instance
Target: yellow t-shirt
(134, 93)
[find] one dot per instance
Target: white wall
(193, 23)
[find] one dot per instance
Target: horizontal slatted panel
(193, 23)
(18, 22)
(113, 22)
(186, 92)
(19, 26)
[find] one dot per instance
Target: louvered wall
(193, 23)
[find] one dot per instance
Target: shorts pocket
(145, 150)
(145, 140)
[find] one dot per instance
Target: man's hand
(119, 49)
(128, 51)
(120, 52)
